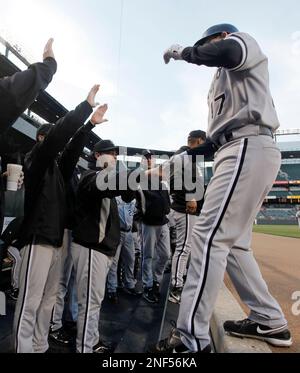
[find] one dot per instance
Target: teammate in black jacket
(44, 223)
(60, 329)
(96, 239)
(153, 207)
(18, 92)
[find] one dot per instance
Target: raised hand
(98, 116)
(175, 52)
(91, 98)
(48, 50)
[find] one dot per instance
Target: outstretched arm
(19, 91)
(70, 156)
(207, 150)
(224, 53)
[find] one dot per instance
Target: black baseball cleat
(279, 337)
(150, 295)
(61, 336)
(175, 295)
(132, 291)
(103, 348)
(13, 294)
(173, 344)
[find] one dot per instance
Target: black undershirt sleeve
(224, 53)
(208, 149)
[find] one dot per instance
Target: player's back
(242, 96)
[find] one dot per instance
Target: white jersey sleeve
(251, 51)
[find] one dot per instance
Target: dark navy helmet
(216, 30)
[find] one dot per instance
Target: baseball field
(278, 258)
(278, 230)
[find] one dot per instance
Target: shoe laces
(246, 322)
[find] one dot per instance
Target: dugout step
(145, 324)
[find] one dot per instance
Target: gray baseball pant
(137, 243)
(16, 255)
(184, 229)
(222, 236)
(126, 252)
(39, 277)
(91, 268)
(65, 275)
(156, 253)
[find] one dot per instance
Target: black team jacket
(45, 176)
(153, 205)
(97, 224)
(17, 93)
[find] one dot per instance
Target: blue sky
(151, 104)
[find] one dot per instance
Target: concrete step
(227, 308)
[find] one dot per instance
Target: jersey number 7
(222, 99)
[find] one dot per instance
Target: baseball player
(298, 216)
(43, 226)
(125, 251)
(10, 239)
(242, 120)
(18, 92)
(185, 213)
(59, 332)
(153, 207)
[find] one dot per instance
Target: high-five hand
(91, 98)
(98, 116)
(48, 50)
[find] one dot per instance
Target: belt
(125, 230)
(249, 130)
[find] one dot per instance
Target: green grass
(278, 230)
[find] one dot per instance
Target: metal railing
(15, 50)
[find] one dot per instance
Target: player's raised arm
(19, 91)
(213, 50)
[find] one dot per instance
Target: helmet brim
(203, 41)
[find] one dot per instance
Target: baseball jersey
(242, 96)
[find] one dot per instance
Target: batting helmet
(216, 30)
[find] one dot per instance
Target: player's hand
(98, 116)
(155, 172)
(175, 52)
(48, 50)
(91, 98)
(191, 207)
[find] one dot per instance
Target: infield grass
(278, 230)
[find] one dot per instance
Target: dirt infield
(279, 260)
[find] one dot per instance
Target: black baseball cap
(182, 150)
(104, 146)
(198, 135)
(43, 130)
